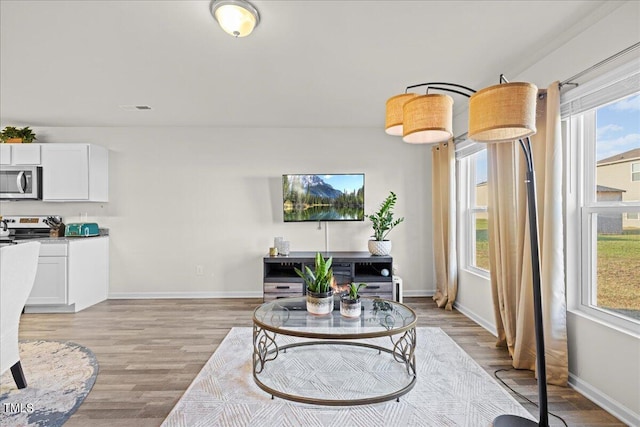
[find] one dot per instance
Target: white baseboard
(406, 293)
(183, 295)
(478, 319)
(200, 295)
(616, 409)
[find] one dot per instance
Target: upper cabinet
(75, 172)
(20, 154)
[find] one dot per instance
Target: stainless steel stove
(27, 227)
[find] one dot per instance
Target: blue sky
(618, 127)
(344, 182)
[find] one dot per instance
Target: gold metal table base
(265, 349)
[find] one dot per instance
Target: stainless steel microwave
(20, 182)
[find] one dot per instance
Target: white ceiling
(309, 63)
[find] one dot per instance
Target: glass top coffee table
(331, 359)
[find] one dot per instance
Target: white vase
(350, 307)
(320, 303)
(380, 247)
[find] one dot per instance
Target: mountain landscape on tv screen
(311, 198)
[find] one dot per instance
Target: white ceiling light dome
(236, 17)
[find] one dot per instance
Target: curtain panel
(509, 244)
(444, 224)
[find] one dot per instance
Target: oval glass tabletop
(379, 317)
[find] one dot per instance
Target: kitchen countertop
(104, 232)
(48, 240)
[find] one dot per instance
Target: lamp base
(513, 421)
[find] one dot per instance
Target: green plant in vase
(318, 284)
(383, 222)
(350, 305)
(13, 134)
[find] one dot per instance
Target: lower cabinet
(50, 287)
(281, 280)
(73, 274)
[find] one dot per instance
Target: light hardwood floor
(149, 351)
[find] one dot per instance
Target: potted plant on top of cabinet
(350, 305)
(383, 222)
(12, 134)
(318, 283)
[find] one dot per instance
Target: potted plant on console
(383, 223)
(350, 305)
(318, 284)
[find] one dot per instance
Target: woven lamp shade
(393, 122)
(504, 112)
(428, 119)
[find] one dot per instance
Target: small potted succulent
(318, 284)
(350, 305)
(383, 222)
(12, 134)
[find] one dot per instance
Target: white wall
(603, 361)
(183, 197)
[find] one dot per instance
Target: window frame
(466, 176)
(635, 172)
(580, 184)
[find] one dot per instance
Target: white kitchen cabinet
(50, 287)
(72, 275)
(75, 172)
(20, 154)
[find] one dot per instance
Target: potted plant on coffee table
(318, 284)
(350, 305)
(383, 222)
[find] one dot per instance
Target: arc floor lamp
(502, 113)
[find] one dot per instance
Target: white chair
(18, 265)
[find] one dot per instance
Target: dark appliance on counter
(20, 183)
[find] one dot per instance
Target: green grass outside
(618, 266)
(619, 270)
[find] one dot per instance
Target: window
(478, 217)
(602, 132)
(472, 217)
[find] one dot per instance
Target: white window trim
(635, 172)
(580, 206)
(466, 180)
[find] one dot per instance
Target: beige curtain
(444, 223)
(509, 245)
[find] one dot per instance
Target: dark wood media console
(281, 280)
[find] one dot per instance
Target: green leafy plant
(318, 280)
(10, 132)
(354, 289)
(382, 220)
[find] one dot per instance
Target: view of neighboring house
(619, 177)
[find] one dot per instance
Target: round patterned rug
(59, 377)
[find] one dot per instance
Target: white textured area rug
(451, 389)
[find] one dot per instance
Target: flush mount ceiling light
(236, 17)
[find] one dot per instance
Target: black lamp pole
(514, 420)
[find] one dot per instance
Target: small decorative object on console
(318, 283)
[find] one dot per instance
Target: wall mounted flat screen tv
(336, 197)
